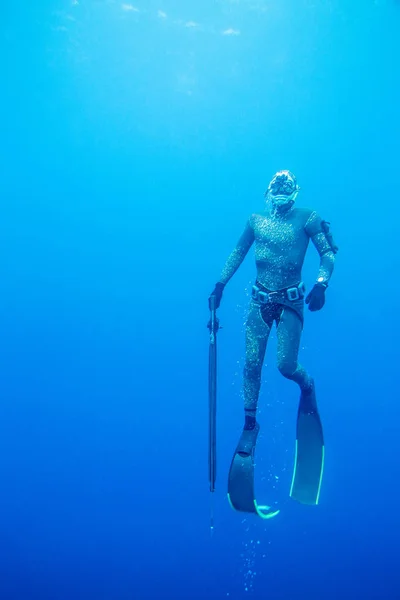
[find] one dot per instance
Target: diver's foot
(249, 422)
(247, 441)
(308, 400)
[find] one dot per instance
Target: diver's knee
(287, 368)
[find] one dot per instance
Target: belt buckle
(259, 296)
(263, 297)
(254, 292)
(293, 294)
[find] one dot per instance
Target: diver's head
(282, 190)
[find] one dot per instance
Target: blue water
(136, 139)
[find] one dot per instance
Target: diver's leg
(309, 455)
(257, 333)
(288, 334)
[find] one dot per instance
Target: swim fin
(241, 477)
(310, 451)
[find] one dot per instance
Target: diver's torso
(280, 246)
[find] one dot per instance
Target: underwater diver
(281, 235)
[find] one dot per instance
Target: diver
(281, 234)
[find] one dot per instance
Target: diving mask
(283, 189)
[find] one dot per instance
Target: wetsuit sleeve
(317, 232)
(238, 254)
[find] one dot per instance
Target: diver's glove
(316, 298)
(217, 292)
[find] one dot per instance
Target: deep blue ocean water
(136, 138)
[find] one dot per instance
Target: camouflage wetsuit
(281, 241)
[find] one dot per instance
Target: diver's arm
(318, 231)
(233, 262)
(326, 264)
(238, 254)
(322, 239)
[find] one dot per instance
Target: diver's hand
(316, 298)
(217, 292)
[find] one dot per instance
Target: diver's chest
(278, 233)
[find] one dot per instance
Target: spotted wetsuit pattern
(280, 242)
